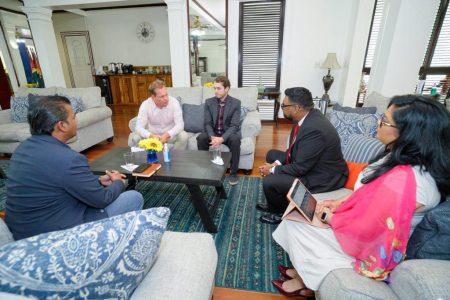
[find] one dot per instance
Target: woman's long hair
(423, 126)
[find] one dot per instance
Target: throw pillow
(356, 110)
(347, 124)
(379, 101)
(431, 237)
(193, 117)
(353, 172)
(33, 99)
(244, 112)
(106, 259)
(19, 109)
(362, 149)
(76, 102)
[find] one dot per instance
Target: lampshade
(330, 62)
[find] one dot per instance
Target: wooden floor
(269, 137)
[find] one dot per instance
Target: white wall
(312, 29)
(113, 36)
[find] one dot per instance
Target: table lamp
(329, 63)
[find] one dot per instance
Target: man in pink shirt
(161, 117)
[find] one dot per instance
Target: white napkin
(136, 149)
(130, 167)
(218, 161)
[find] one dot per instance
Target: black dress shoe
(271, 218)
(262, 207)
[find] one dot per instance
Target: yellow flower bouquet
(151, 144)
(209, 84)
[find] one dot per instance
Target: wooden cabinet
(133, 88)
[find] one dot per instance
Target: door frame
(65, 34)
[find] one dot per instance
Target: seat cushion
(421, 279)
(347, 284)
(14, 132)
(93, 115)
(184, 269)
(103, 259)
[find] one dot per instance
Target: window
(370, 50)
(260, 42)
(435, 70)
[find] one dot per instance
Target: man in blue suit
(51, 187)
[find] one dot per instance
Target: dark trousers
(276, 186)
(233, 142)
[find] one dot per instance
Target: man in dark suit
(222, 124)
(314, 156)
(50, 187)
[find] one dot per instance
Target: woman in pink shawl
(370, 228)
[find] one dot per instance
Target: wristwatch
(324, 217)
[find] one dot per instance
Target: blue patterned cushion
(19, 108)
(347, 124)
(361, 148)
(76, 102)
(106, 259)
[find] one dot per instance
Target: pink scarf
(373, 224)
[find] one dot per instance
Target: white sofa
(250, 127)
(185, 268)
(94, 123)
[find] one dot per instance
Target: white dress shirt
(154, 120)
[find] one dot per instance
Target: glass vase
(151, 156)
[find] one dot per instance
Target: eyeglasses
(286, 105)
(383, 122)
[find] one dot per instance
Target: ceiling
(16, 4)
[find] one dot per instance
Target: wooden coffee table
(192, 168)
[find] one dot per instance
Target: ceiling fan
(197, 27)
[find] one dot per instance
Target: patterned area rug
(248, 256)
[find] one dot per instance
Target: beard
(287, 117)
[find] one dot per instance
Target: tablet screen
(304, 200)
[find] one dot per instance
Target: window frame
(280, 43)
